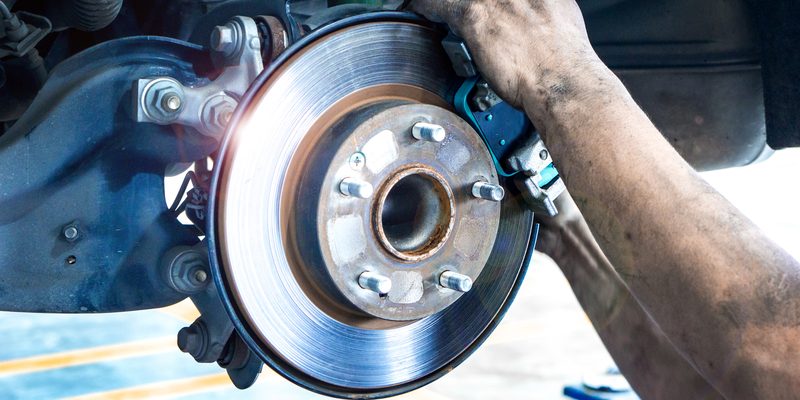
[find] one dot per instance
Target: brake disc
(333, 222)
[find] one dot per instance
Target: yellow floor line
(165, 389)
(87, 356)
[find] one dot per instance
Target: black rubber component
(22, 78)
(84, 15)
(780, 33)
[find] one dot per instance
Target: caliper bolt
(356, 188)
(455, 281)
(428, 132)
(488, 191)
(375, 282)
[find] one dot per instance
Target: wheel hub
(411, 215)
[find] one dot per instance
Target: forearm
(642, 352)
(727, 297)
(724, 294)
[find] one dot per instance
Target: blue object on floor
(580, 392)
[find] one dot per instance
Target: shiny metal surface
(315, 349)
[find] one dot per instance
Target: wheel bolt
(428, 132)
(488, 191)
(455, 281)
(356, 188)
(375, 282)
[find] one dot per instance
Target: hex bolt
(162, 100)
(428, 132)
(217, 112)
(455, 281)
(488, 191)
(70, 232)
(201, 275)
(356, 188)
(223, 40)
(172, 102)
(196, 340)
(375, 282)
(186, 269)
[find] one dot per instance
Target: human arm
(725, 295)
(640, 349)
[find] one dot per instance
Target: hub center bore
(414, 213)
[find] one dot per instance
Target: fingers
(437, 10)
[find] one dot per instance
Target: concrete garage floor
(544, 342)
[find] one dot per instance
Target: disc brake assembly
(363, 235)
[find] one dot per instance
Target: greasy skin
(726, 297)
(641, 350)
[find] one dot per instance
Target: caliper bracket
(516, 148)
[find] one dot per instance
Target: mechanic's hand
(518, 45)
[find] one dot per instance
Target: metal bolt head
(223, 39)
(201, 275)
(172, 102)
(224, 116)
(162, 100)
(428, 132)
(488, 191)
(455, 281)
(217, 113)
(375, 282)
(186, 270)
(356, 188)
(543, 154)
(70, 232)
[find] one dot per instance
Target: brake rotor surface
(288, 266)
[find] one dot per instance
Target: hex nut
(217, 112)
(184, 269)
(155, 100)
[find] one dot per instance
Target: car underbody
(357, 203)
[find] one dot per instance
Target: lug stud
(488, 191)
(428, 132)
(356, 188)
(375, 282)
(455, 281)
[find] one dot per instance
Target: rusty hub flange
(421, 221)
